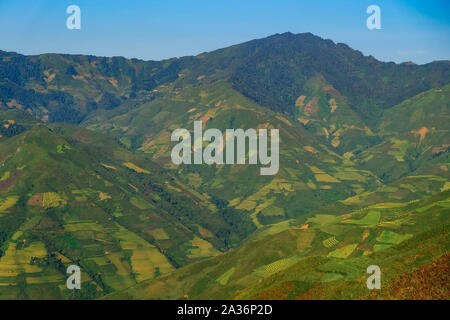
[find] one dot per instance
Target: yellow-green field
(7, 203)
(343, 252)
(202, 249)
(145, 257)
(17, 261)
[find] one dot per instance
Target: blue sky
(417, 31)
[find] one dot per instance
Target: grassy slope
(309, 169)
(75, 193)
(57, 180)
(328, 260)
(413, 133)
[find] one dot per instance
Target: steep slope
(65, 88)
(325, 257)
(362, 143)
(274, 72)
(413, 133)
(309, 83)
(308, 168)
(71, 196)
(326, 113)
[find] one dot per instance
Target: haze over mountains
(86, 176)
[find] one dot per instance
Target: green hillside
(324, 257)
(308, 167)
(414, 133)
(272, 71)
(68, 195)
(86, 176)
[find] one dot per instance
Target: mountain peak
(289, 38)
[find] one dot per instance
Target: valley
(87, 177)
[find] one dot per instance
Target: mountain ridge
(86, 175)
(274, 47)
(283, 34)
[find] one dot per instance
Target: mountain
(325, 257)
(72, 196)
(308, 168)
(86, 175)
(273, 72)
(412, 134)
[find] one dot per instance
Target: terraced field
(86, 176)
(316, 270)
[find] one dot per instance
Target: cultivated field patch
(134, 167)
(392, 237)
(52, 199)
(223, 279)
(371, 219)
(17, 261)
(145, 258)
(276, 266)
(7, 203)
(201, 249)
(343, 252)
(330, 242)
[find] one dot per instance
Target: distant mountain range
(86, 176)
